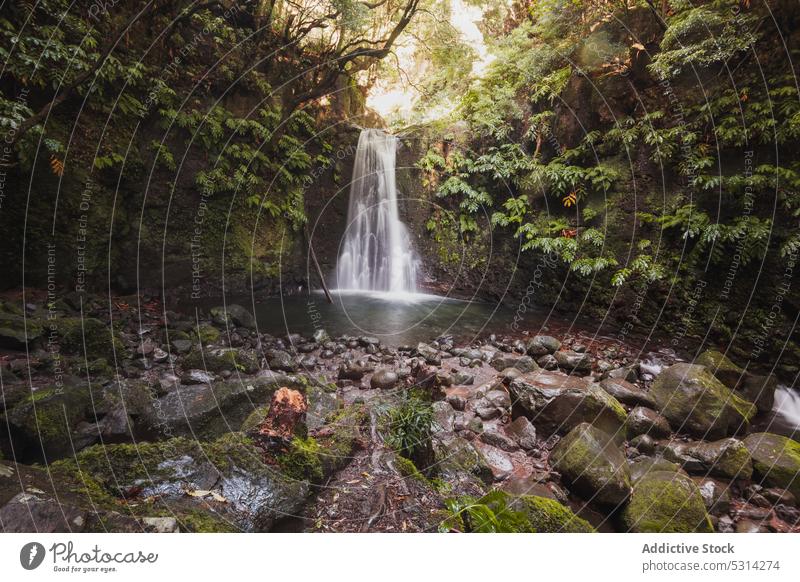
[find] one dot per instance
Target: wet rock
(366, 341)
(429, 354)
(541, 345)
(573, 361)
(463, 379)
(458, 461)
(44, 424)
(778, 496)
(716, 494)
(443, 417)
(457, 401)
(548, 362)
(384, 379)
(281, 360)
(320, 405)
(696, 402)
(475, 425)
(499, 463)
(521, 363)
(727, 458)
(592, 465)
(321, 336)
(444, 379)
(499, 440)
(627, 393)
(160, 355)
(16, 332)
(556, 403)
(758, 389)
(627, 373)
(181, 346)
(160, 524)
(776, 461)
(749, 526)
(721, 367)
(208, 408)
(643, 421)
(197, 377)
(522, 432)
(509, 374)
(528, 485)
(644, 444)
(643, 466)
(256, 494)
(27, 512)
(353, 371)
(666, 502)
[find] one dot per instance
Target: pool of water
(394, 318)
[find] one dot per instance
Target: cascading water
(377, 254)
(787, 406)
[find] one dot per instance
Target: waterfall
(787, 406)
(377, 254)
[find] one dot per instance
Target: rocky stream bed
(153, 421)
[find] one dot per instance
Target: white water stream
(377, 254)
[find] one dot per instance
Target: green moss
(206, 334)
(549, 516)
(666, 502)
(407, 468)
(776, 460)
(336, 446)
(99, 338)
(254, 419)
(302, 460)
(204, 522)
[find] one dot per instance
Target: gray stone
(522, 363)
(540, 345)
(523, 433)
(642, 420)
(443, 417)
(573, 361)
(556, 403)
(627, 393)
(383, 379)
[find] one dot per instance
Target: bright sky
(386, 98)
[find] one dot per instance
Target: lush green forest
(615, 184)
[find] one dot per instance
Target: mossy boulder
(549, 516)
(44, 425)
(17, 332)
(233, 314)
(206, 334)
(98, 339)
(227, 478)
(592, 465)
(640, 467)
(721, 367)
(776, 460)
(556, 403)
(456, 460)
(217, 360)
(500, 511)
(211, 409)
(666, 502)
(695, 402)
(339, 437)
(727, 458)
